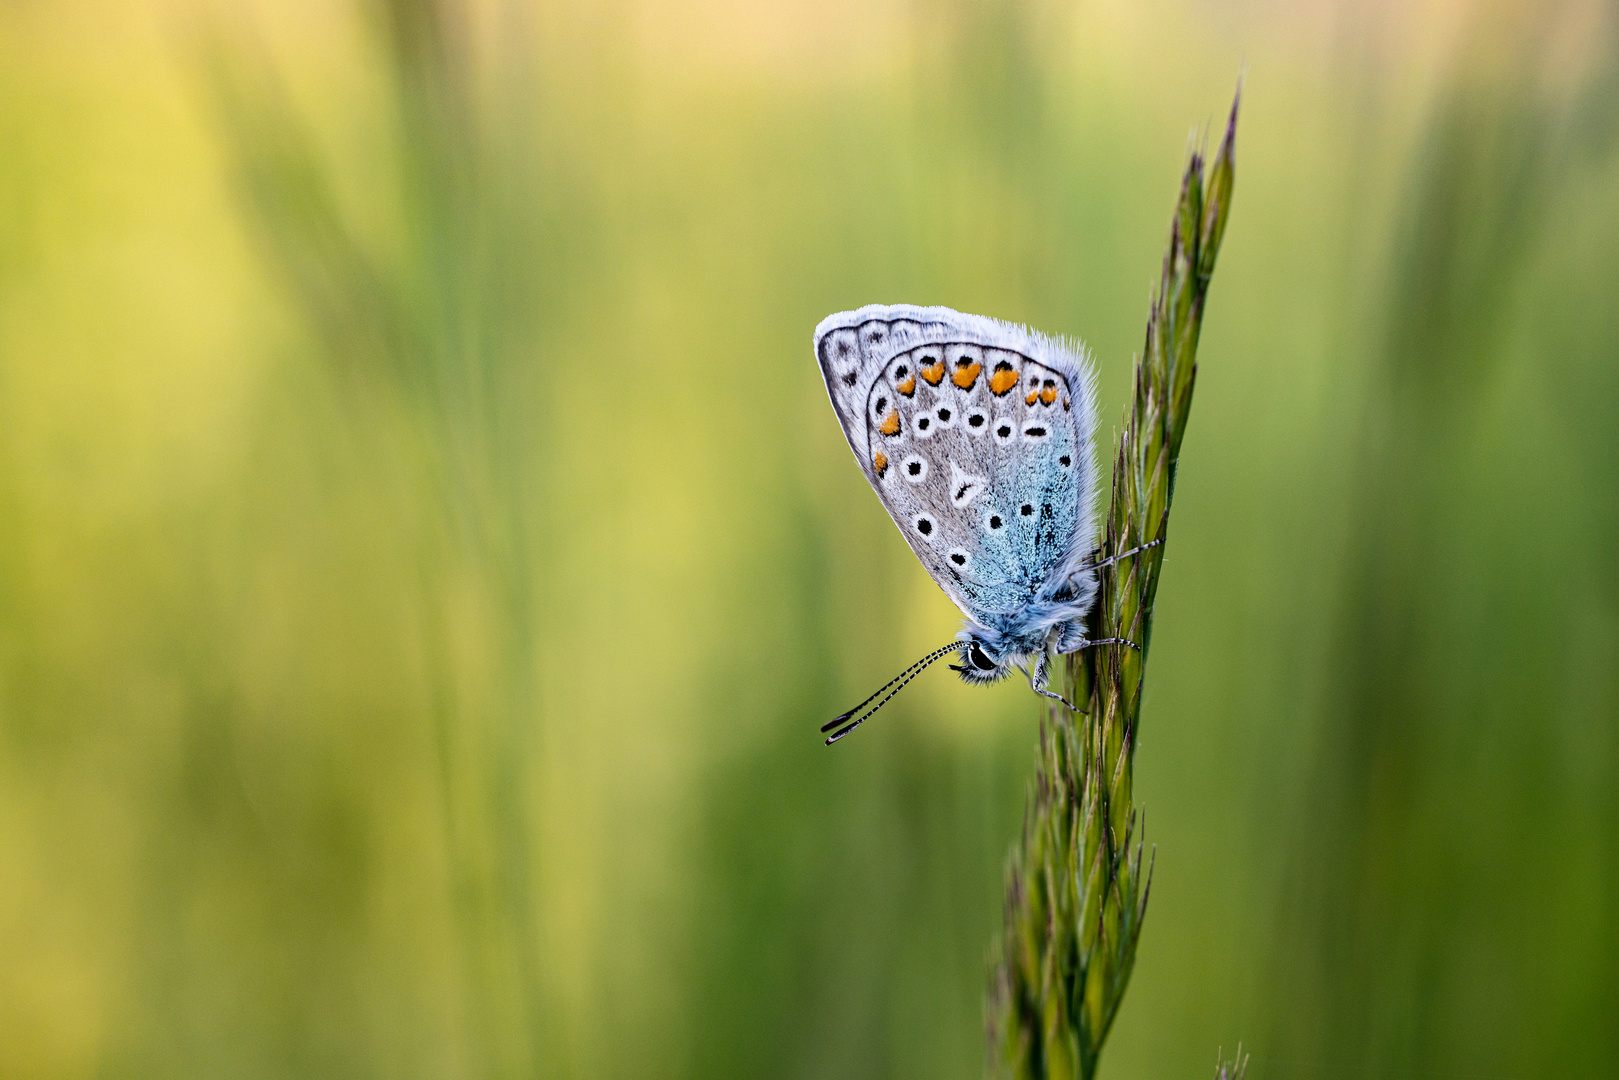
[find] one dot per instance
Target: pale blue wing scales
(1037, 489)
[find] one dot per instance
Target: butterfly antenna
(928, 659)
(902, 678)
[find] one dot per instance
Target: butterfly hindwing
(976, 436)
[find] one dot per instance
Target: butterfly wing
(976, 434)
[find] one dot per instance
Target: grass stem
(1076, 890)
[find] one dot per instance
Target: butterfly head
(984, 661)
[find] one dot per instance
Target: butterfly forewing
(975, 435)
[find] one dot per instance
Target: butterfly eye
(914, 468)
(979, 659)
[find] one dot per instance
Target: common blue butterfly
(977, 435)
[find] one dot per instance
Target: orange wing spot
(890, 424)
(880, 462)
(1032, 397)
(967, 372)
(1003, 379)
(1048, 393)
(934, 372)
(908, 387)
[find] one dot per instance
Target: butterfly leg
(1057, 697)
(1121, 555)
(1038, 681)
(1109, 562)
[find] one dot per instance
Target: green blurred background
(426, 551)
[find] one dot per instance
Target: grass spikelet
(1078, 882)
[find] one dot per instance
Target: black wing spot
(1003, 431)
(882, 405)
(899, 373)
(848, 380)
(1066, 461)
(1026, 509)
(959, 559)
(914, 468)
(975, 420)
(924, 526)
(944, 415)
(995, 521)
(922, 424)
(1035, 432)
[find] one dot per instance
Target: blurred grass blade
(1076, 889)
(1235, 1069)
(424, 364)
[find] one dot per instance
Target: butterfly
(977, 435)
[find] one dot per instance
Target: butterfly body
(977, 436)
